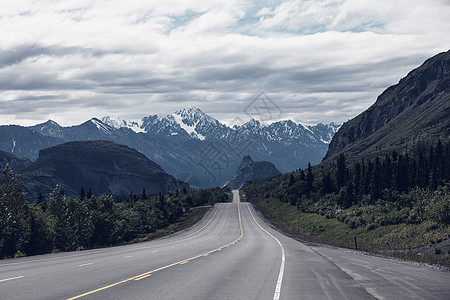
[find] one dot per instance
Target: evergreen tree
(291, 180)
(357, 179)
(14, 216)
(386, 171)
(341, 173)
(302, 175)
(82, 194)
(144, 195)
(375, 184)
(40, 199)
(309, 179)
(57, 207)
(401, 176)
(327, 184)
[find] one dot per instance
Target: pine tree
(309, 179)
(386, 171)
(401, 176)
(40, 199)
(327, 184)
(57, 207)
(144, 195)
(341, 173)
(375, 184)
(14, 216)
(302, 175)
(357, 179)
(82, 194)
(291, 180)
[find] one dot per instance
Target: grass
(408, 241)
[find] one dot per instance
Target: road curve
(231, 253)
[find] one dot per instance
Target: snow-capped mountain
(49, 128)
(193, 123)
(187, 123)
(117, 122)
(188, 144)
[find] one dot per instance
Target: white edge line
(12, 278)
(87, 264)
(277, 293)
(205, 224)
(82, 253)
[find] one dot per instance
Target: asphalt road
(231, 254)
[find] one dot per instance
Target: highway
(230, 254)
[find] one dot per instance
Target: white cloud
(137, 58)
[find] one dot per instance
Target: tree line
(63, 223)
(410, 187)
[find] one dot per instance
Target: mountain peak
(189, 109)
(49, 123)
(117, 122)
(246, 159)
(100, 125)
(191, 115)
(49, 128)
(250, 170)
(253, 124)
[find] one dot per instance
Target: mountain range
(188, 144)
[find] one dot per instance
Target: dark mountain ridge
(106, 167)
(251, 170)
(419, 105)
(14, 162)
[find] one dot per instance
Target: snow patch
(189, 129)
(100, 126)
(117, 122)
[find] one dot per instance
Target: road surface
(231, 254)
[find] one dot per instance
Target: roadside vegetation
(397, 204)
(65, 224)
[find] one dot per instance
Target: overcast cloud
(319, 61)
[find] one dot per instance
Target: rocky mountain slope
(418, 106)
(15, 162)
(106, 167)
(250, 170)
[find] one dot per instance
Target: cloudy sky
(319, 61)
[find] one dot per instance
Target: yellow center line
(143, 277)
(181, 262)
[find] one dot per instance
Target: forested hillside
(63, 223)
(396, 201)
